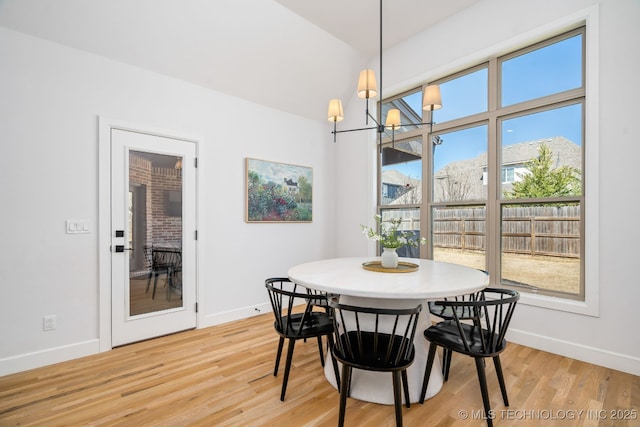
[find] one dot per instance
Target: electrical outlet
(49, 323)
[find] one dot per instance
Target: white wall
(492, 26)
(51, 99)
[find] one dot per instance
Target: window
(542, 70)
(400, 167)
(541, 140)
(508, 174)
(466, 94)
(503, 169)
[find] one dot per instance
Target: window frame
(587, 23)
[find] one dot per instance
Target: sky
(538, 73)
(278, 172)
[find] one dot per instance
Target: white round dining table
(356, 285)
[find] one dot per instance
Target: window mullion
(494, 172)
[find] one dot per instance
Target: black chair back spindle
(293, 323)
(493, 310)
(374, 339)
(463, 312)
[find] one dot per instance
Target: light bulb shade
(393, 119)
(431, 99)
(335, 110)
(367, 84)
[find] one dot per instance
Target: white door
(153, 236)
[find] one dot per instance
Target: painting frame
(277, 192)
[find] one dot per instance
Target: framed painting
(278, 192)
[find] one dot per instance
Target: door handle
(121, 248)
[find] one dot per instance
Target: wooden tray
(403, 267)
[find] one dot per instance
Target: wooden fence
(531, 230)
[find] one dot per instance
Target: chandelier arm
(380, 128)
(374, 120)
(393, 136)
(419, 124)
(353, 130)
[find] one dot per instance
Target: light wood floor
(141, 300)
(223, 376)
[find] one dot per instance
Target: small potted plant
(391, 238)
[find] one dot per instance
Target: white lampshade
(335, 110)
(393, 119)
(367, 84)
(431, 99)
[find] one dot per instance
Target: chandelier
(431, 100)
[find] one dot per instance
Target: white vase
(389, 258)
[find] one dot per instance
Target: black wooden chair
(318, 299)
(162, 260)
(293, 324)
(387, 347)
(463, 313)
(175, 275)
(496, 307)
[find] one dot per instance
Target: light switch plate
(78, 226)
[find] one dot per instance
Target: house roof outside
(465, 179)
(566, 152)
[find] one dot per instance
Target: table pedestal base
(377, 387)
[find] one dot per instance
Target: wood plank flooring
(141, 300)
(223, 376)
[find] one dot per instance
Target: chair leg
(405, 385)
(344, 390)
(320, 345)
(287, 368)
(155, 284)
(280, 344)
(446, 363)
(333, 360)
(397, 397)
(148, 281)
(503, 387)
(169, 285)
(483, 388)
(427, 372)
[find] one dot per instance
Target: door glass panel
(154, 232)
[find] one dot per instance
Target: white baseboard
(596, 356)
(230, 316)
(24, 362)
(50, 356)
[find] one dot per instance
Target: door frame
(105, 125)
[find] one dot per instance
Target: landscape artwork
(278, 192)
